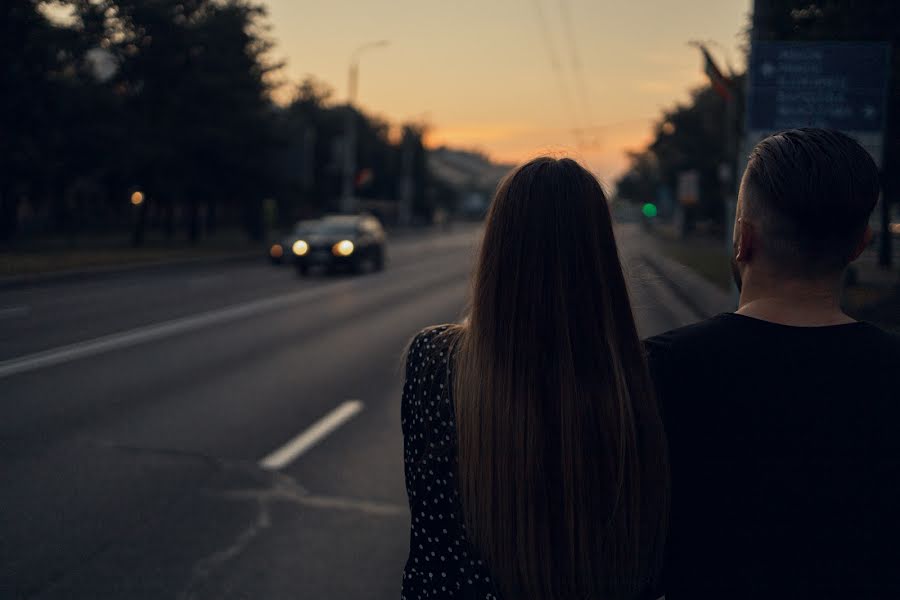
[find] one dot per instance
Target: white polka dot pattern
(442, 562)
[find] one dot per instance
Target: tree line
(158, 114)
(688, 136)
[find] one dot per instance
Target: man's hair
(811, 192)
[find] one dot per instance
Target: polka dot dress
(442, 562)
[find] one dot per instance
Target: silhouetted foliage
(686, 137)
(30, 89)
(171, 98)
(689, 136)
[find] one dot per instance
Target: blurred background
(222, 220)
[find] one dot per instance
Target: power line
(558, 73)
(575, 59)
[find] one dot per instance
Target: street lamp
(347, 189)
(138, 202)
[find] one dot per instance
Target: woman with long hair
(534, 452)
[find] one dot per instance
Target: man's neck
(793, 302)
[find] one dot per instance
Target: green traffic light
(649, 210)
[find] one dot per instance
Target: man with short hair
(783, 418)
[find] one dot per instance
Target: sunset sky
(480, 72)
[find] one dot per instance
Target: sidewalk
(112, 269)
(696, 291)
(702, 252)
(48, 257)
(872, 293)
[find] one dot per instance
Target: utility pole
(348, 187)
(723, 85)
(728, 169)
(407, 182)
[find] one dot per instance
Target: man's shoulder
(881, 340)
(718, 334)
(674, 355)
(701, 333)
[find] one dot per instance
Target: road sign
(689, 187)
(839, 85)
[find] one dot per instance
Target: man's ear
(864, 242)
(745, 244)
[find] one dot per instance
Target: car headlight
(300, 247)
(342, 248)
(276, 251)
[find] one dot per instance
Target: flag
(720, 83)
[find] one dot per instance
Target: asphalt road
(224, 432)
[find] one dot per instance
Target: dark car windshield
(334, 228)
(304, 228)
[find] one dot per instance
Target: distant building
(466, 171)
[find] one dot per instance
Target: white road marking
(11, 312)
(157, 331)
(148, 333)
(313, 435)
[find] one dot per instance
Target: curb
(700, 296)
(103, 272)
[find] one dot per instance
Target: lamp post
(348, 200)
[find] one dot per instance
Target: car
(349, 242)
(280, 250)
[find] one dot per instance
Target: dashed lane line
(316, 432)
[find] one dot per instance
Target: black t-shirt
(785, 458)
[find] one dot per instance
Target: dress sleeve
(423, 473)
(441, 562)
(411, 418)
(426, 413)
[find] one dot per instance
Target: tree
(309, 165)
(640, 182)
(199, 100)
(687, 137)
(30, 50)
(171, 98)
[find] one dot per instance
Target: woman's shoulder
(436, 338)
(426, 392)
(429, 351)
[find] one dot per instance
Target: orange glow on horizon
(603, 151)
(481, 76)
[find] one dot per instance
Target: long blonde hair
(562, 457)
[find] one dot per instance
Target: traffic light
(649, 210)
